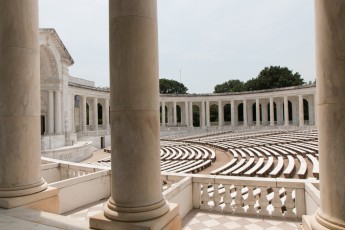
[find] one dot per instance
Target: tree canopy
(269, 78)
(167, 86)
(230, 86)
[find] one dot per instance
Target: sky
(202, 43)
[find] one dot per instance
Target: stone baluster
(289, 204)
(205, 197)
(216, 198)
(250, 201)
(227, 199)
(238, 207)
(263, 202)
(276, 203)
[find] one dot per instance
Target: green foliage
(230, 86)
(167, 86)
(269, 78)
(274, 77)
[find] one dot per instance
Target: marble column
(311, 110)
(279, 112)
(84, 114)
(257, 112)
(51, 112)
(208, 114)
(220, 114)
(315, 109)
(57, 112)
(72, 105)
(20, 110)
(186, 112)
(136, 185)
(286, 111)
(271, 111)
(245, 115)
(233, 112)
(107, 120)
(300, 110)
(250, 114)
(330, 56)
(264, 106)
(163, 113)
(191, 114)
(174, 110)
(95, 114)
(202, 114)
(295, 115)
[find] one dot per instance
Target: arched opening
(178, 114)
(100, 113)
(240, 115)
(254, 112)
(87, 114)
(274, 111)
(227, 113)
(161, 114)
(43, 125)
(306, 111)
(214, 116)
(196, 116)
(290, 111)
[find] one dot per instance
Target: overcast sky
(210, 41)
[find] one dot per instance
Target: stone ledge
(36, 201)
(170, 220)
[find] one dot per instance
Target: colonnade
(270, 111)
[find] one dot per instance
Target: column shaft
(95, 114)
(233, 120)
(286, 111)
(107, 121)
(51, 112)
(300, 110)
(330, 56)
(271, 111)
(175, 113)
(245, 115)
(84, 114)
(57, 112)
(208, 114)
(220, 114)
(20, 110)
(134, 98)
(186, 112)
(191, 114)
(257, 112)
(163, 113)
(202, 115)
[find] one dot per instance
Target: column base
(315, 222)
(170, 220)
(47, 200)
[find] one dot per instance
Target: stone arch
(196, 116)
(48, 63)
(100, 114)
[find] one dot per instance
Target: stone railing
(283, 198)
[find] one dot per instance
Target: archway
(227, 113)
(100, 113)
(196, 116)
(214, 116)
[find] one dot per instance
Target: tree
(167, 86)
(229, 86)
(274, 77)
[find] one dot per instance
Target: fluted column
(84, 113)
(271, 111)
(107, 127)
(220, 114)
(134, 112)
(330, 56)
(57, 112)
(208, 114)
(300, 110)
(51, 112)
(20, 110)
(257, 112)
(245, 115)
(95, 114)
(233, 112)
(286, 111)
